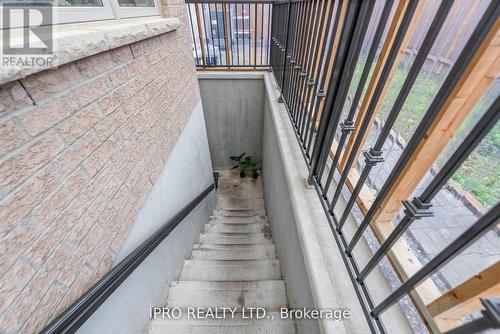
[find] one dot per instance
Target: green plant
(240, 159)
(245, 163)
(252, 164)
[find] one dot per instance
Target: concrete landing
(234, 265)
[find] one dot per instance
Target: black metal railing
(232, 34)
(75, 315)
(315, 49)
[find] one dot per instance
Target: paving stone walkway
(453, 217)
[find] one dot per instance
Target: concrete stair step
(270, 295)
(205, 270)
(210, 252)
(238, 325)
(235, 238)
(237, 220)
(232, 247)
(237, 228)
(239, 203)
(239, 213)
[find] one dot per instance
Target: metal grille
(230, 34)
(315, 48)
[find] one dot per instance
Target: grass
(480, 173)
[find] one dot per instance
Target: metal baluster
(374, 155)
(305, 73)
(378, 90)
(192, 32)
(349, 49)
(218, 31)
(489, 18)
(230, 30)
(237, 33)
(289, 46)
(483, 225)
(300, 60)
(243, 32)
(212, 33)
(206, 37)
(269, 34)
(320, 92)
(261, 31)
(249, 37)
(288, 9)
(295, 53)
(354, 49)
(327, 113)
(312, 82)
(420, 206)
(348, 125)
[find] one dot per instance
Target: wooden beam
(201, 33)
(226, 33)
(375, 78)
(477, 78)
(464, 298)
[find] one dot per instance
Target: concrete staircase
(234, 265)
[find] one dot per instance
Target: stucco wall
(233, 108)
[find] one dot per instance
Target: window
(134, 8)
(69, 11)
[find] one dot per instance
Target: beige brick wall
(80, 148)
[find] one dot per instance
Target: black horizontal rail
(75, 315)
(231, 1)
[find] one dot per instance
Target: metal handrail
(75, 315)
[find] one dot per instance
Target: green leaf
(237, 157)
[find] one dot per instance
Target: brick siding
(76, 167)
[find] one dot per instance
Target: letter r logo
(26, 29)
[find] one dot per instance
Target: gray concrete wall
(186, 174)
(233, 105)
(283, 228)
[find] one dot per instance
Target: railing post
(280, 99)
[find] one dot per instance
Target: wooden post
(477, 78)
(201, 33)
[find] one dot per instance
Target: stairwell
(234, 265)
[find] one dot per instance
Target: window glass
(78, 3)
(136, 3)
